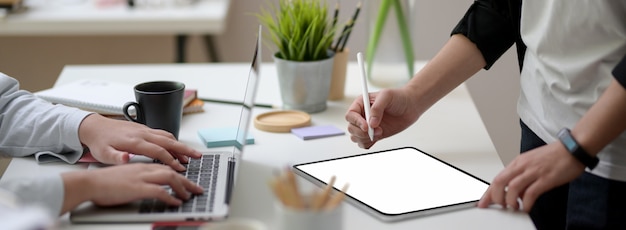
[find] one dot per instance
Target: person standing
(572, 105)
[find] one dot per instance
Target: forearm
(487, 30)
(604, 121)
(457, 61)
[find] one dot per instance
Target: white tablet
(398, 183)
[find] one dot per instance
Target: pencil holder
(288, 218)
(338, 78)
(234, 224)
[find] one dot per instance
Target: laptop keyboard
(202, 171)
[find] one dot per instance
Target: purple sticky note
(313, 132)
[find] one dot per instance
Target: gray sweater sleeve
(28, 126)
(46, 192)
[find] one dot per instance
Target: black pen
(230, 182)
(239, 103)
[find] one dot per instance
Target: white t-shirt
(572, 47)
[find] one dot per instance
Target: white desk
(451, 130)
(83, 17)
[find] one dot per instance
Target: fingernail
(180, 166)
(373, 119)
(183, 159)
(120, 159)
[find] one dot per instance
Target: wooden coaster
(281, 121)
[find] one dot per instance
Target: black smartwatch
(565, 136)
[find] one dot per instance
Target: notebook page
(101, 96)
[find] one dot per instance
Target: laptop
(215, 171)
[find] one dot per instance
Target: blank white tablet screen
(399, 181)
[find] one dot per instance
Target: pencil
(343, 33)
(321, 198)
(277, 189)
(354, 17)
(336, 14)
(293, 195)
(345, 39)
(336, 200)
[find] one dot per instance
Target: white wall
(37, 61)
(495, 94)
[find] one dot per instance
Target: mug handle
(139, 116)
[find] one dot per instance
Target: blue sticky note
(313, 132)
(219, 137)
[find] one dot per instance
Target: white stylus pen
(366, 98)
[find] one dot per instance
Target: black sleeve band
(493, 25)
(619, 72)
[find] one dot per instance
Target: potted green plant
(302, 33)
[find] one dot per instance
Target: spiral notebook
(100, 96)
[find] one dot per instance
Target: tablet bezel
(387, 217)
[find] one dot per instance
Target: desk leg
(210, 48)
(181, 48)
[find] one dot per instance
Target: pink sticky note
(88, 158)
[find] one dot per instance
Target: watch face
(570, 144)
(579, 153)
(568, 141)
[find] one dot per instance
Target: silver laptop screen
(249, 98)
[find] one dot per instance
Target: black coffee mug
(159, 105)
